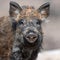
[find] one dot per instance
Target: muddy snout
(31, 37)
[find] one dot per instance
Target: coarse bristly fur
(22, 50)
(6, 38)
(13, 43)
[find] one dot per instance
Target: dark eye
(21, 22)
(38, 22)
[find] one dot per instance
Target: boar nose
(31, 37)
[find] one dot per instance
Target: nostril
(34, 37)
(31, 36)
(28, 37)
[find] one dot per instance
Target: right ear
(44, 10)
(14, 10)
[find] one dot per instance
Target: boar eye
(21, 22)
(38, 22)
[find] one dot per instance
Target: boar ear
(14, 9)
(44, 10)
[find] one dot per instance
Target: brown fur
(28, 13)
(6, 34)
(6, 38)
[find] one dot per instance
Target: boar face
(29, 30)
(27, 22)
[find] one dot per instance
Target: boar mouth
(31, 37)
(31, 44)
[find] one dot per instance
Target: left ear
(14, 9)
(44, 10)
